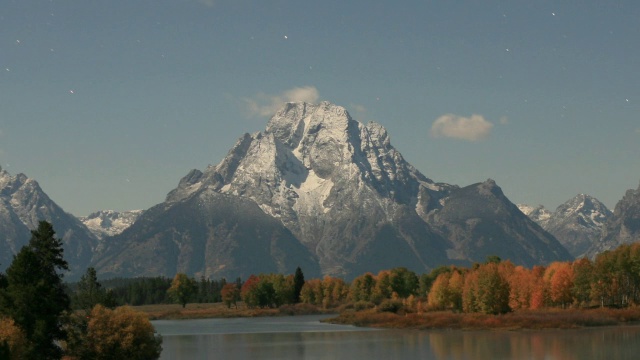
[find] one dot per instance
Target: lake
(304, 337)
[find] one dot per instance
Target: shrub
(392, 306)
(363, 305)
(118, 334)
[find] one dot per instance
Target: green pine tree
(35, 296)
(298, 283)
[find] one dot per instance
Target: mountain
(578, 223)
(207, 234)
(22, 205)
(327, 189)
(480, 221)
(539, 213)
(623, 227)
(108, 222)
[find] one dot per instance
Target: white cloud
(267, 105)
(472, 128)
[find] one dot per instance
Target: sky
(108, 104)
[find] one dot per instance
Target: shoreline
(437, 320)
(220, 311)
(518, 320)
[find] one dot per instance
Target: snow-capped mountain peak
(108, 222)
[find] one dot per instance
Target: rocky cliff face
(343, 192)
(22, 205)
(623, 227)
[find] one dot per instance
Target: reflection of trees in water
(593, 343)
(610, 343)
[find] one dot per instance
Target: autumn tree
(35, 296)
(118, 334)
(486, 290)
(230, 294)
(182, 289)
(469, 293)
(559, 278)
(312, 293)
(12, 340)
(249, 292)
(426, 280)
(439, 297)
(362, 287)
(383, 289)
(335, 291)
(521, 283)
(582, 279)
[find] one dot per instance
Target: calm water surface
(304, 337)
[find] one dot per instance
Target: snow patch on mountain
(108, 222)
(538, 213)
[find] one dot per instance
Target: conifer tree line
(154, 290)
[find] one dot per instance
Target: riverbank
(531, 319)
(538, 319)
(219, 310)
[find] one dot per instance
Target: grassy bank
(539, 319)
(219, 310)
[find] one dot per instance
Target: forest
(493, 287)
(496, 286)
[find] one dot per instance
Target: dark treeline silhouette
(153, 290)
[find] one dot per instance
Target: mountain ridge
(349, 197)
(578, 223)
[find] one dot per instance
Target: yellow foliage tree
(182, 289)
(12, 340)
(121, 334)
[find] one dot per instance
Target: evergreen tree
(298, 283)
(90, 293)
(35, 296)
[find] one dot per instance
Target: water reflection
(596, 343)
(306, 338)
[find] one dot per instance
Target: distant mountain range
(578, 223)
(319, 190)
(623, 227)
